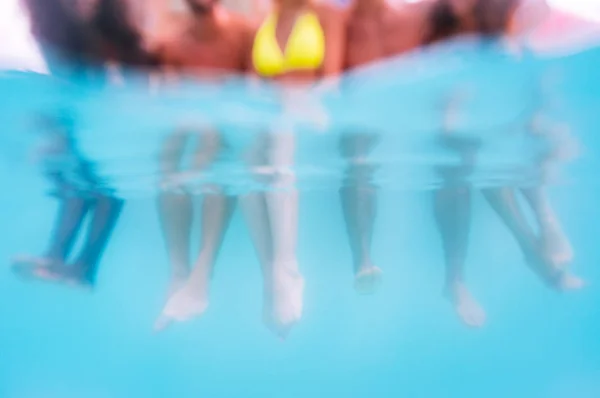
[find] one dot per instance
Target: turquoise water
(403, 341)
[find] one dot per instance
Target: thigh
(211, 144)
(467, 150)
(355, 146)
(281, 149)
(172, 152)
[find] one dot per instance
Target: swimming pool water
(403, 341)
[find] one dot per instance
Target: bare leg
(191, 298)
(556, 248)
(504, 202)
(73, 208)
(255, 213)
(106, 213)
(70, 219)
(175, 211)
(217, 211)
(255, 208)
(72, 211)
(273, 219)
(285, 289)
(555, 244)
(358, 197)
(71, 215)
(452, 209)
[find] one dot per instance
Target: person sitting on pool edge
(376, 30)
(491, 19)
(77, 41)
(407, 27)
(298, 43)
(193, 44)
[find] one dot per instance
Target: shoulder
(418, 8)
(169, 29)
(414, 8)
(328, 10)
(413, 12)
(243, 26)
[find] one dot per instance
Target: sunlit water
(403, 341)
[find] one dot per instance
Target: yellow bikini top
(305, 48)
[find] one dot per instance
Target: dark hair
(491, 17)
(62, 31)
(113, 23)
(443, 22)
(52, 25)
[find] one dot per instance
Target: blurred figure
(528, 22)
(376, 30)
(492, 19)
(206, 42)
(77, 40)
(452, 203)
(248, 8)
(298, 43)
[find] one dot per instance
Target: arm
(250, 29)
(334, 25)
(163, 45)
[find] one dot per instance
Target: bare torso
(375, 33)
(383, 32)
(201, 47)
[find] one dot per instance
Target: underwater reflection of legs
(188, 296)
(358, 196)
(272, 217)
(452, 211)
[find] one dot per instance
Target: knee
(359, 176)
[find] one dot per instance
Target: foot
(49, 270)
(562, 280)
(177, 283)
(567, 281)
(28, 267)
(283, 306)
(467, 308)
(556, 277)
(368, 280)
(556, 247)
(186, 303)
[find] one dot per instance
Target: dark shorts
(70, 171)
